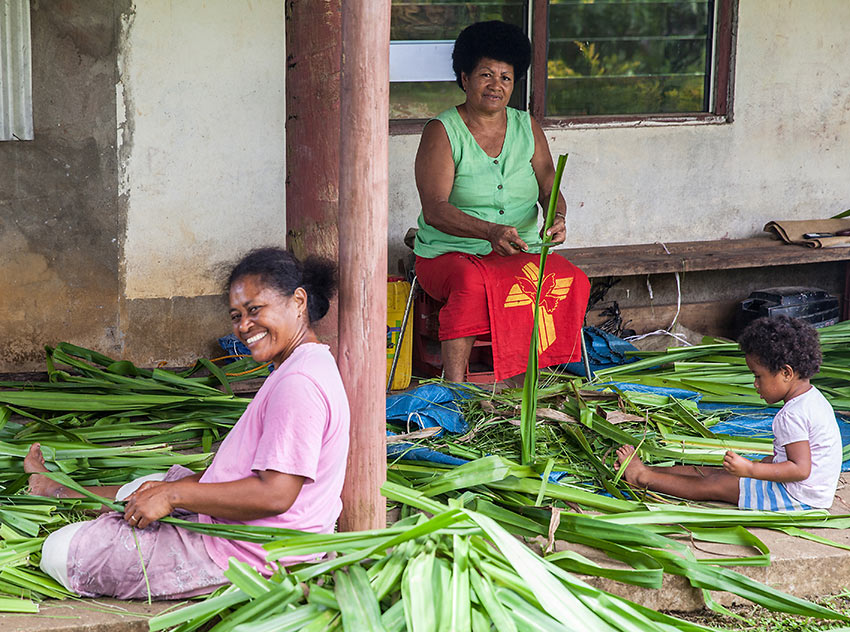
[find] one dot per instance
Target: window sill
(401, 127)
(652, 120)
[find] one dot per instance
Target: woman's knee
(133, 485)
(467, 278)
(54, 553)
(449, 274)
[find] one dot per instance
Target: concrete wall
(59, 218)
(785, 156)
(158, 155)
(201, 103)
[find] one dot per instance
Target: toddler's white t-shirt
(809, 417)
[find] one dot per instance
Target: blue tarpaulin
(408, 451)
(604, 350)
(428, 406)
(678, 393)
(235, 347)
(745, 421)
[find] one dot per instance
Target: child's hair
(282, 271)
(782, 340)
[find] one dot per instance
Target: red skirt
(496, 294)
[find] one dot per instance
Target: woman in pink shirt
(282, 464)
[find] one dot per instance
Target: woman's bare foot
(34, 460)
(635, 472)
(34, 464)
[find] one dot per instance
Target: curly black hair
(780, 340)
(282, 271)
(494, 39)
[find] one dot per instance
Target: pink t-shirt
(297, 423)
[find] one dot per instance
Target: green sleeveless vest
(502, 190)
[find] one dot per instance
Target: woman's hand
(148, 503)
(269, 493)
(737, 465)
(505, 240)
(558, 230)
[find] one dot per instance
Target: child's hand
(737, 465)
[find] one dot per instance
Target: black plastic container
(813, 305)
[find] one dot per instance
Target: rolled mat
(792, 231)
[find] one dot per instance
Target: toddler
(782, 353)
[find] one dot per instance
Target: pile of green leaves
(464, 567)
(107, 421)
(717, 370)
(103, 422)
(579, 430)
(579, 425)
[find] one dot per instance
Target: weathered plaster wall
(59, 218)
(203, 84)
(202, 96)
(159, 155)
(785, 156)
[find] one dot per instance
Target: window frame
(723, 82)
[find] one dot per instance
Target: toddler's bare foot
(635, 470)
(33, 464)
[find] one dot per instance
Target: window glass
(628, 57)
(422, 100)
(416, 22)
(604, 57)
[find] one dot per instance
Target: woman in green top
(481, 169)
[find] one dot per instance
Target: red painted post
(314, 50)
(363, 203)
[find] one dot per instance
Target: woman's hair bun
(281, 270)
(320, 281)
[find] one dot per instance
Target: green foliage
(528, 417)
(759, 619)
(464, 566)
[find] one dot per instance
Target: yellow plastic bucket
(397, 292)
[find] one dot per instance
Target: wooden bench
(693, 256)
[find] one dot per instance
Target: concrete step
(800, 567)
(85, 615)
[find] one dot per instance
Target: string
(669, 330)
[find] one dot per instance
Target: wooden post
(314, 50)
(363, 203)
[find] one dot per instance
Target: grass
(758, 619)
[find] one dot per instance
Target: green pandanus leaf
(528, 416)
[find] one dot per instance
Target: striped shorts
(754, 493)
